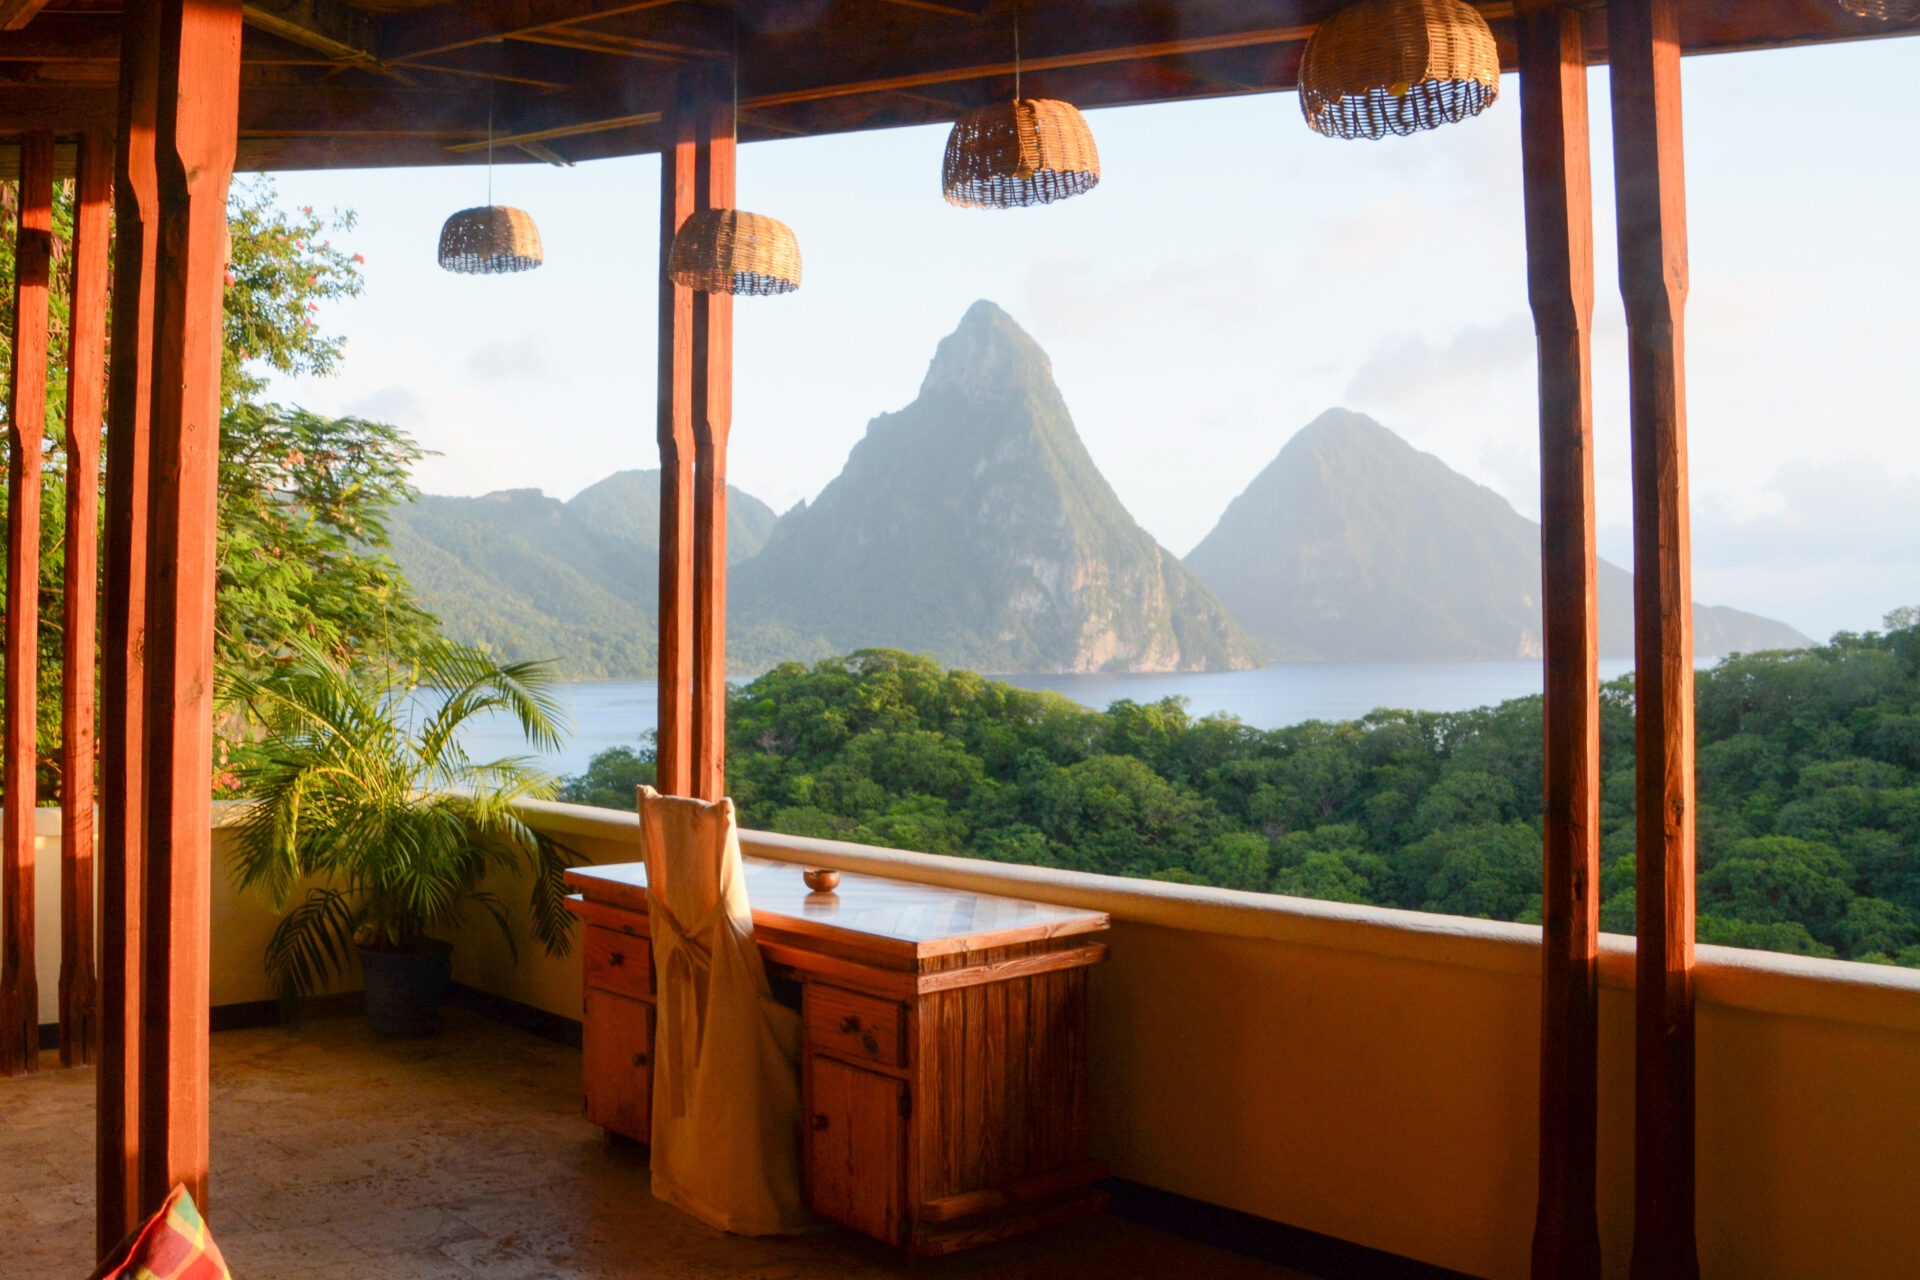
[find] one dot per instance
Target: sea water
(613, 713)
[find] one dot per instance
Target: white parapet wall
(1372, 1074)
(1366, 1073)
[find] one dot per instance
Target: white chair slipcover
(726, 1081)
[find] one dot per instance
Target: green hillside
(531, 576)
(1354, 546)
(974, 526)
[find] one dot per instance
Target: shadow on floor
(340, 1156)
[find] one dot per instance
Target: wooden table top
(897, 916)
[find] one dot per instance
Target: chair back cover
(726, 1078)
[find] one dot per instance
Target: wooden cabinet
(944, 1060)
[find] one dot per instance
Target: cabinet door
(617, 1054)
(856, 1148)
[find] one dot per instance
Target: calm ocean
(610, 713)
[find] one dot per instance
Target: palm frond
(498, 910)
(552, 922)
(310, 943)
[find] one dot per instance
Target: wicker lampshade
(1398, 66)
(731, 251)
(1008, 155)
(1884, 10)
(489, 241)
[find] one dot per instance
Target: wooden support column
(86, 372)
(194, 143)
(136, 199)
(27, 419)
(1559, 218)
(1644, 48)
(674, 737)
(712, 420)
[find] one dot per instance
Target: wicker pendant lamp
(493, 239)
(732, 251)
(1010, 155)
(1398, 66)
(1884, 10)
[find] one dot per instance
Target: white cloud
(1075, 295)
(1411, 374)
(525, 358)
(396, 404)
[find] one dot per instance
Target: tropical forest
(1808, 763)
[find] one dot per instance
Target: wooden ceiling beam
(607, 125)
(62, 109)
(325, 26)
(586, 40)
(975, 9)
(15, 14)
(64, 37)
(498, 77)
(1054, 62)
(405, 37)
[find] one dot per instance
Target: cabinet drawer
(855, 1026)
(617, 1061)
(620, 962)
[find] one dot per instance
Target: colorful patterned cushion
(174, 1244)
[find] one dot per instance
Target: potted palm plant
(359, 788)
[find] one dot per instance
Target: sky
(1232, 276)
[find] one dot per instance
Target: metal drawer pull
(819, 1122)
(870, 1044)
(849, 1024)
(615, 960)
(639, 1059)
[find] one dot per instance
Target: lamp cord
(1016, 52)
(490, 84)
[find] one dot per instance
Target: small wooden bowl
(822, 880)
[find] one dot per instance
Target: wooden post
(1644, 45)
(194, 143)
(712, 419)
(123, 633)
(674, 737)
(86, 369)
(27, 420)
(1559, 217)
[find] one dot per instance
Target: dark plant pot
(404, 988)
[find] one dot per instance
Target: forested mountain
(531, 576)
(974, 526)
(1354, 546)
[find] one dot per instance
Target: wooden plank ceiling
(337, 83)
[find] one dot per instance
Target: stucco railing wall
(1367, 1073)
(1372, 1074)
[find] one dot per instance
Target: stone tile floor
(337, 1155)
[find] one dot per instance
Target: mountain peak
(1338, 428)
(973, 524)
(1353, 545)
(982, 357)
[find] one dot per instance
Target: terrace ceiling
(338, 83)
